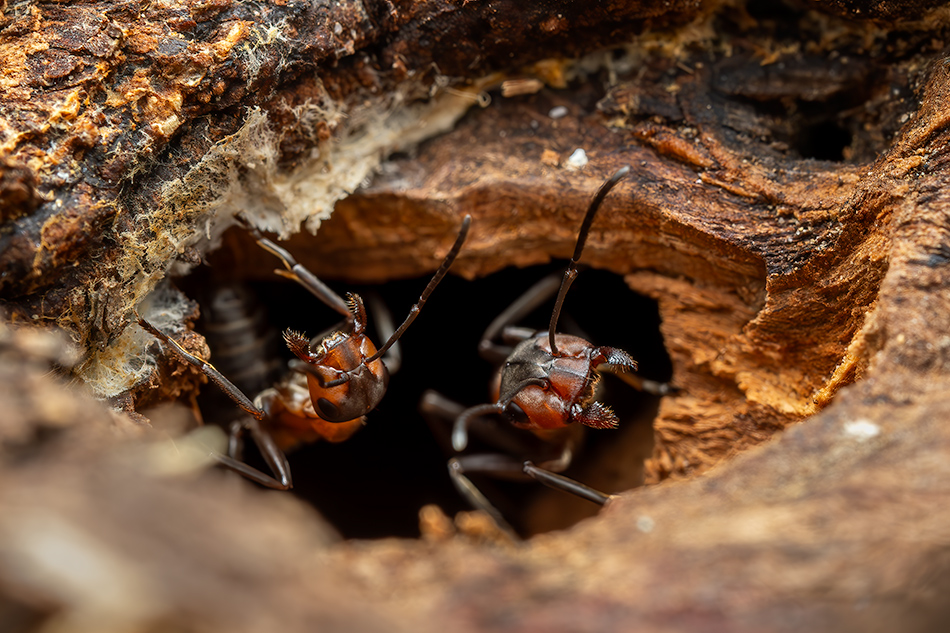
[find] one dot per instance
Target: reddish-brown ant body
(333, 386)
(546, 384)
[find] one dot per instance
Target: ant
(333, 385)
(545, 384)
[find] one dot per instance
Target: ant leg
(523, 305)
(460, 428)
(206, 368)
(489, 464)
(437, 405)
(548, 473)
(566, 484)
(251, 473)
(440, 413)
(236, 440)
(296, 272)
(513, 334)
(506, 467)
(651, 387)
(273, 456)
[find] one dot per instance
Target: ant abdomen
(242, 342)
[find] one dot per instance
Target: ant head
(351, 400)
(345, 384)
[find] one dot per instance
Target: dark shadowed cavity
(374, 484)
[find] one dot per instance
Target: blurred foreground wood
(787, 211)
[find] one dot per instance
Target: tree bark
(786, 210)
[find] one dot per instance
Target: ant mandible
(546, 384)
(333, 384)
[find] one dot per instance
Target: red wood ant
(334, 383)
(546, 384)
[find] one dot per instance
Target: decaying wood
(786, 210)
(764, 262)
(109, 104)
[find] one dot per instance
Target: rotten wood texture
(838, 525)
(758, 214)
(107, 103)
(789, 213)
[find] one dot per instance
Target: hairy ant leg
(273, 456)
(652, 387)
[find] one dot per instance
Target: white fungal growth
(240, 173)
(124, 362)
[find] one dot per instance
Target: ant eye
(328, 410)
(516, 415)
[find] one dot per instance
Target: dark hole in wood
(825, 140)
(373, 485)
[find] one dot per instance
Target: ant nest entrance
(375, 483)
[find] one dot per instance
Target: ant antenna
(439, 274)
(571, 271)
